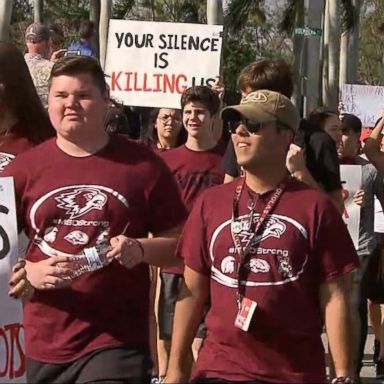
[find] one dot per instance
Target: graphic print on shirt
(80, 201)
(270, 262)
(77, 238)
(5, 159)
(77, 214)
(198, 179)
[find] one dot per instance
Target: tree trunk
(214, 12)
(353, 60)
(334, 53)
(314, 12)
(321, 57)
(326, 95)
(94, 16)
(105, 15)
(5, 19)
(38, 11)
(344, 59)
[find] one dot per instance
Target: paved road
(368, 373)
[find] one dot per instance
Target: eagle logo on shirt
(5, 159)
(272, 228)
(80, 201)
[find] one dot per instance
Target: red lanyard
(236, 227)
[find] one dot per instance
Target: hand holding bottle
(51, 273)
(127, 251)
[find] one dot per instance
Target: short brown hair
(320, 115)
(74, 65)
(272, 74)
(204, 95)
(87, 29)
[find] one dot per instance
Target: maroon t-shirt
(11, 145)
(194, 171)
(304, 244)
(68, 203)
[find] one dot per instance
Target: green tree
(371, 64)
(192, 11)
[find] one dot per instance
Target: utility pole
(214, 12)
(313, 9)
(105, 15)
(215, 17)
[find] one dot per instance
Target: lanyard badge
(246, 307)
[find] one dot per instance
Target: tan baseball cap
(265, 106)
(36, 33)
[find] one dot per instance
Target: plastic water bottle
(90, 259)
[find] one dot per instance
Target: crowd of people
(225, 255)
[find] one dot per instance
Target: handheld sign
(379, 217)
(351, 181)
(150, 64)
(12, 357)
(364, 101)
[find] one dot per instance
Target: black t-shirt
(320, 152)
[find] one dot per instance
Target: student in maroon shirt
(196, 166)
(273, 256)
(79, 189)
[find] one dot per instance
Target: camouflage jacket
(40, 70)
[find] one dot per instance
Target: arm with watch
(373, 144)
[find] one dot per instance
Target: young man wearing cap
(272, 255)
(319, 167)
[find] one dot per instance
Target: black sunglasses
(251, 125)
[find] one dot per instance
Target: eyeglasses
(164, 119)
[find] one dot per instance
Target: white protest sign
(150, 64)
(379, 217)
(12, 357)
(351, 182)
(364, 101)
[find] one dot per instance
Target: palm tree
(333, 53)
(325, 56)
(349, 41)
(38, 11)
(293, 17)
(94, 16)
(5, 18)
(353, 43)
(242, 13)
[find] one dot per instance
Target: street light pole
(313, 9)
